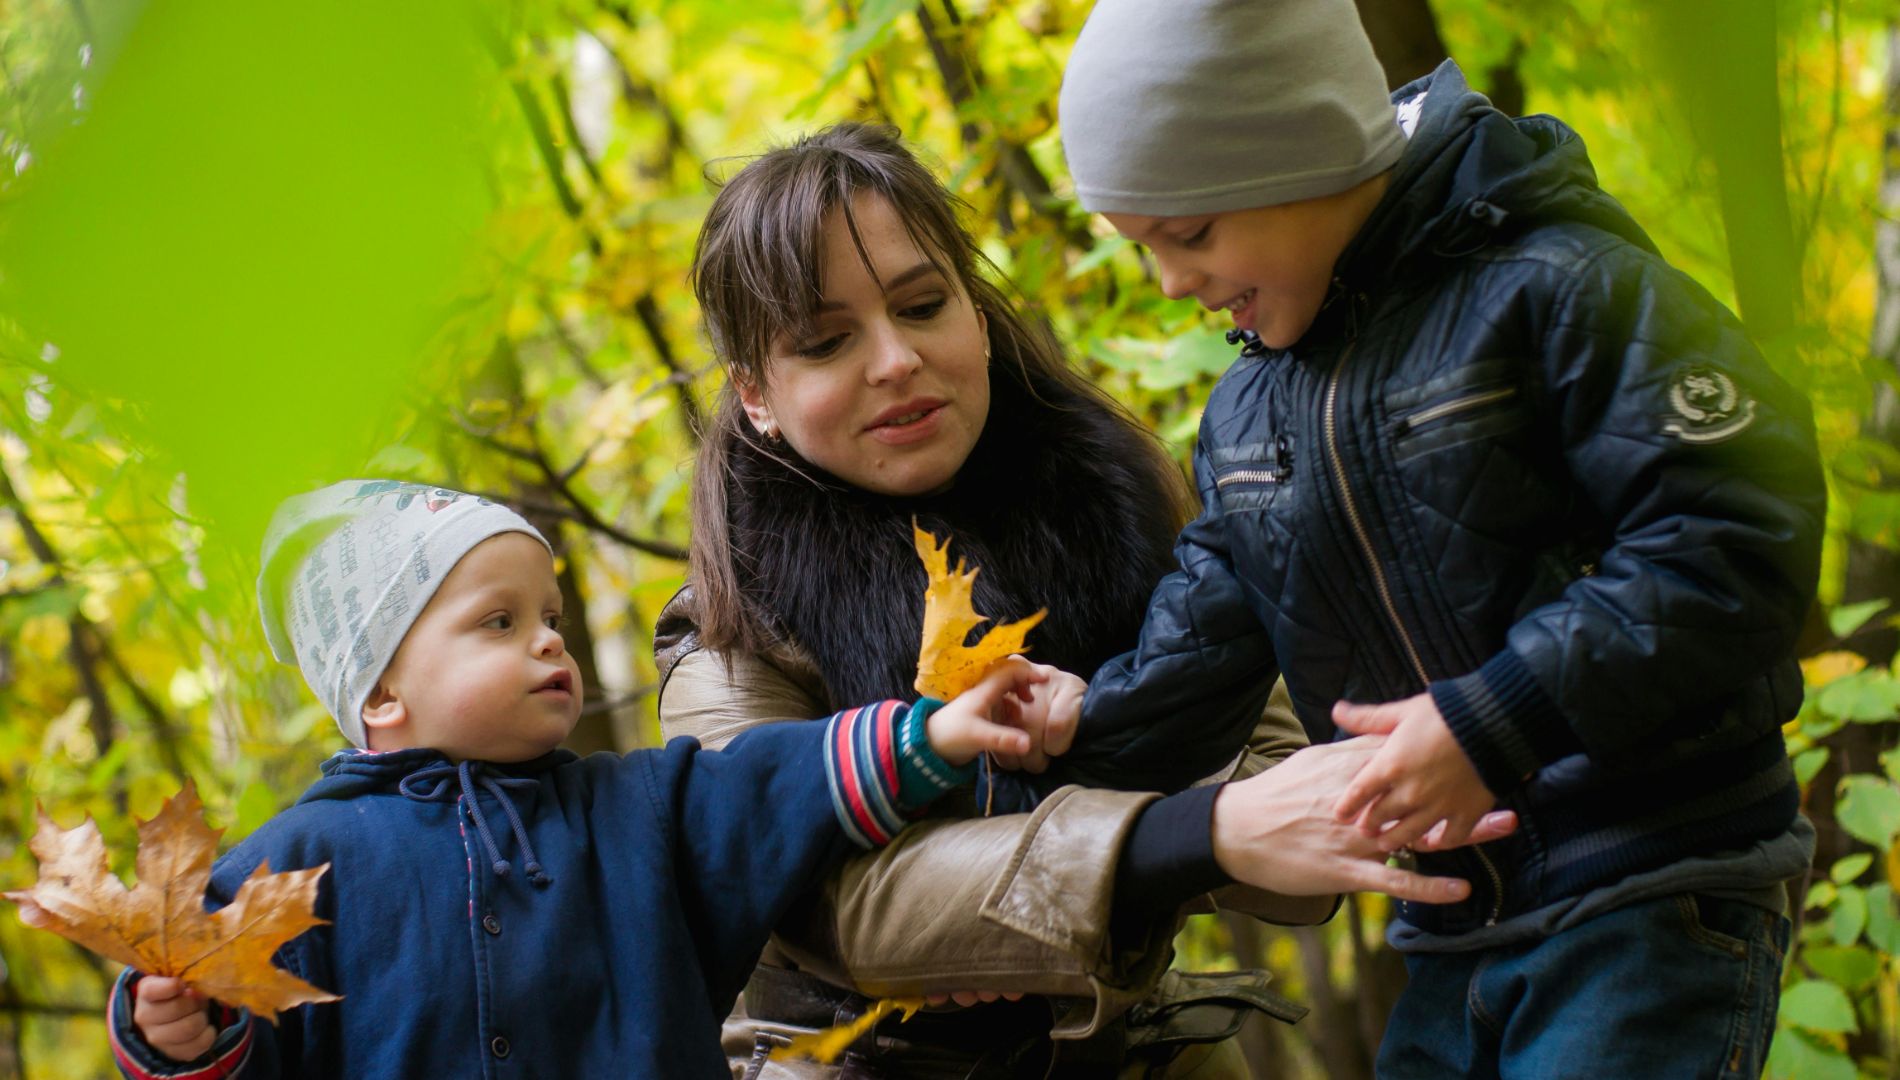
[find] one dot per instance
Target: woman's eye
(817, 350)
(927, 309)
(501, 621)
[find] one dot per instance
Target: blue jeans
(1684, 986)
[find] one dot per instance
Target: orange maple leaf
(946, 666)
(160, 926)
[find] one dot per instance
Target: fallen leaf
(946, 666)
(825, 1046)
(160, 926)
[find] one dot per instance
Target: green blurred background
(246, 248)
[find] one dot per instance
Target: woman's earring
(770, 431)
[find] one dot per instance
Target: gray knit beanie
(347, 569)
(1200, 106)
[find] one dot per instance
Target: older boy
(1490, 463)
(497, 906)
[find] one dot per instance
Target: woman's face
(891, 388)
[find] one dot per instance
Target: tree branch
(1017, 169)
(572, 507)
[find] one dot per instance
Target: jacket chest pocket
(1253, 475)
(1480, 401)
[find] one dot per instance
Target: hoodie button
(499, 1045)
(491, 924)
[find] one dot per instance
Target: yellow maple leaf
(946, 666)
(825, 1046)
(160, 926)
(1828, 666)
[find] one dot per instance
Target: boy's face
(1269, 267)
(483, 673)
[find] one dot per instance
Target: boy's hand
(977, 720)
(171, 1018)
(1419, 779)
(1049, 714)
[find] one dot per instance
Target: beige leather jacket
(956, 902)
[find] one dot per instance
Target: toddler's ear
(383, 710)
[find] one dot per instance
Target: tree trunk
(1335, 1021)
(1404, 36)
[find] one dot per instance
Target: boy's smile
(1268, 267)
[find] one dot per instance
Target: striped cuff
(228, 1055)
(921, 774)
(1504, 721)
(861, 766)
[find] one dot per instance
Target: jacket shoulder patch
(1706, 406)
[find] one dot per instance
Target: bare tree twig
(572, 507)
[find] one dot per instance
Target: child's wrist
(923, 772)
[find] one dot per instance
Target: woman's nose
(893, 358)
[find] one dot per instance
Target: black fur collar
(1053, 506)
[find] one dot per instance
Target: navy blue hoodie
(608, 933)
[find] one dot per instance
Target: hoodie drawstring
(441, 777)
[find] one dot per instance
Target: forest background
(249, 248)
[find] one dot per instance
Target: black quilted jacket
(1520, 462)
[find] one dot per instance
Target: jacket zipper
(1331, 426)
(1248, 476)
(1458, 405)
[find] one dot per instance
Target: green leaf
(109, 765)
(1883, 922)
(1104, 251)
(1795, 1056)
(1847, 618)
(1852, 967)
(873, 27)
(1820, 895)
(1849, 917)
(1808, 763)
(255, 805)
(1871, 696)
(1853, 866)
(1869, 809)
(1818, 1006)
(399, 462)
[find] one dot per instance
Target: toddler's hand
(1419, 780)
(978, 719)
(1049, 714)
(171, 1018)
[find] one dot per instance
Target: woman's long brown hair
(756, 273)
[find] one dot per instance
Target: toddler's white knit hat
(1202, 106)
(347, 569)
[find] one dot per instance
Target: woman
(875, 377)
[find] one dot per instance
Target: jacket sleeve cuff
(138, 1061)
(923, 774)
(1504, 721)
(1169, 857)
(880, 765)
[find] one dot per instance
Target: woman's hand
(967, 998)
(172, 1018)
(1276, 831)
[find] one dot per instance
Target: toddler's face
(484, 673)
(1268, 267)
